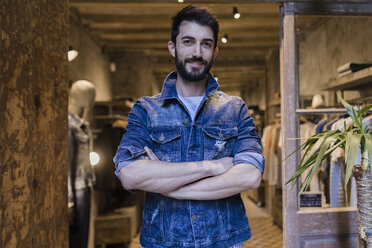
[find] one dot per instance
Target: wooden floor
(264, 233)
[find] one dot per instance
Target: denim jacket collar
(169, 90)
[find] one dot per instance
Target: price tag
(311, 200)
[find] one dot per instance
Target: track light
(94, 158)
(224, 38)
(236, 13)
(72, 54)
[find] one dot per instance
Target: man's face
(194, 51)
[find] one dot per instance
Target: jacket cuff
(253, 158)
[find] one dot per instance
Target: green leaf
(351, 151)
(301, 169)
(298, 148)
(351, 112)
(365, 109)
(367, 128)
(319, 158)
(314, 149)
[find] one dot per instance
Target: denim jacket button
(185, 121)
(220, 134)
(161, 138)
(194, 217)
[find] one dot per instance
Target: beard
(194, 75)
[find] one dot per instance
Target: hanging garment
(307, 130)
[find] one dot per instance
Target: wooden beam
(251, 53)
(329, 8)
(208, 3)
(165, 35)
(145, 44)
(158, 18)
(289, 122)
(107, 29)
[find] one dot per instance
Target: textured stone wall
(133, 76)
(334, 42)
(33, 122)
(91, 64)
(273, 84)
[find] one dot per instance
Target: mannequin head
(81, 97)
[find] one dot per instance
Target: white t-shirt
(192, 104)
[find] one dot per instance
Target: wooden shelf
(274, 103)
(352, 80)
(112, 116)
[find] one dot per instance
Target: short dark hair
(200, 15)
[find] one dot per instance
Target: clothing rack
(324, 111)
(365, 100)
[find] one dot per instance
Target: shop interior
(120, 47)
(247, 65)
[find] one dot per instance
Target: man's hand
(221, 166)
(150, 154)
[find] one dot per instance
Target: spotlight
(112, 67)
(72, 54)
(236, 13)
(94, 158)
(224, 38)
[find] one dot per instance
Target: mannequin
(81, 176)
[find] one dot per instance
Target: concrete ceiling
(140, 25)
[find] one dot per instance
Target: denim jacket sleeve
(134, 140)
(248, 147)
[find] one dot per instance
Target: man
(192, 148)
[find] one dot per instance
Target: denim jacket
(222, 127)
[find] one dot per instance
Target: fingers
(151, 154)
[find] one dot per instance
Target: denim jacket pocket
(167, 142)
(219, 142)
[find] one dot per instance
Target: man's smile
(195, 63)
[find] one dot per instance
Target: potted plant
(352, 140)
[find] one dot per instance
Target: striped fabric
(234, 246)
(237, 246)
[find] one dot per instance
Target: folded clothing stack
(351, 67)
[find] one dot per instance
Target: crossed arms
(202, 180)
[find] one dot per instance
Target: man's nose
(197, 53)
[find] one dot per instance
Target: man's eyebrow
(193, 38)
(209, 40)
(187, 37)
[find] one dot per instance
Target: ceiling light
(94, 158)
(72, 54)
(236, 13)
(112, 67)
(180, 1)
(224, 38)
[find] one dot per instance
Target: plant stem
(364, 191)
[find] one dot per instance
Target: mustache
(193, 59)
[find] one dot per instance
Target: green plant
(351, 139)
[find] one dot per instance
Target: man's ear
(172, 48)
(215, 52)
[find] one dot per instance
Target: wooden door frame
(304, 228)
